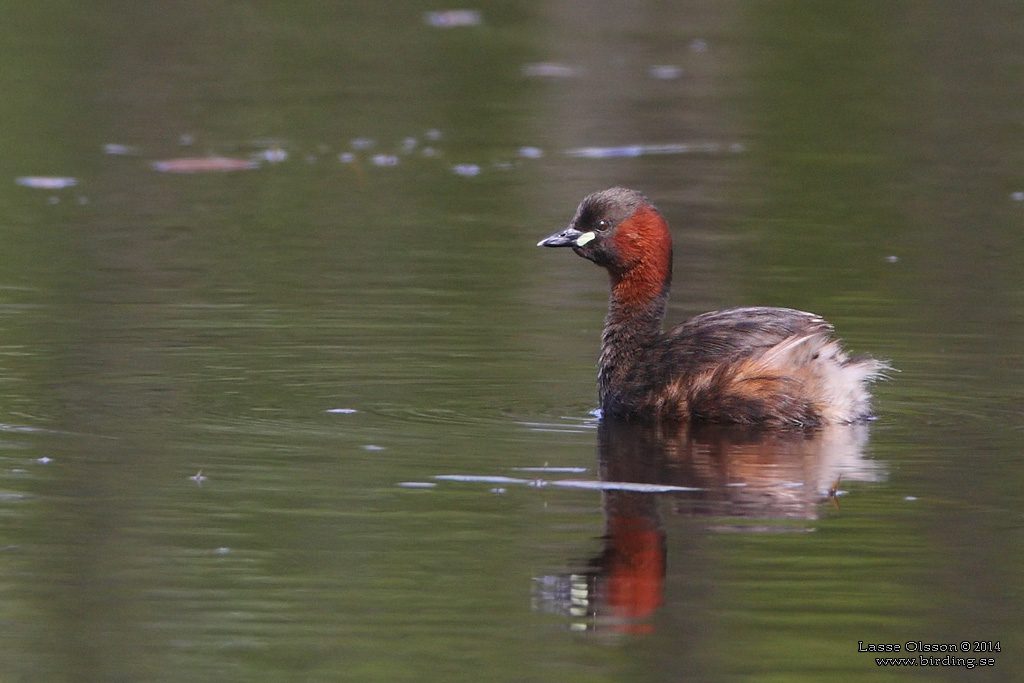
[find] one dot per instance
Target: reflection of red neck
(635, 571)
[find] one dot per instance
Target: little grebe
(766, 366)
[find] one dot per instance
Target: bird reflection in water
(746, 480)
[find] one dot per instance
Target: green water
(214, 387)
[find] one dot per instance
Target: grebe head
(622, 231)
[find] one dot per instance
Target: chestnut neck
(638, 302)
(640, 285)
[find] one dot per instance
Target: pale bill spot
(585, 238)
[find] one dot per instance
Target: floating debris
(19, 428)
(621, 486)
(204, 165)
(468, 170)
(346, 157)
(665, 72)
(372, 447)
(44, 460)
(910, 499)
(417, 484)
(531, 152)
(892, 259)
(385, 160)
(627, 151)
(41, 182)
(115, 149)
(341, 411)
(556, 470)
(481, 479)
(453, 18)
(1017, 196)
(569, 483)
(574, 427)
(362, 144)
(198, 478)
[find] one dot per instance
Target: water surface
(233, 400)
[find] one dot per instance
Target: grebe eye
(602, 224)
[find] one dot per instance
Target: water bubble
(274, 155)
(1017, 196)
(628, 151)
(606, 152)
(203, 165)
(385, 160)
(115, 149)
(468, 170)
(665, 72)
(362, 143)
(531, 152)
(551, 70)
(46, 182)
(453, 17)
(341, 411)
(346, 157)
